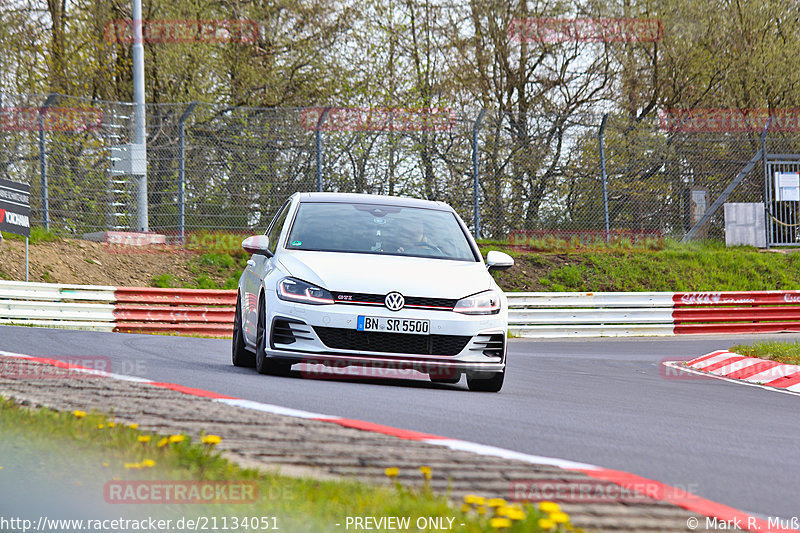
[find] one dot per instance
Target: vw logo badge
(394, 301)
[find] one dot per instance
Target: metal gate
(782, 199)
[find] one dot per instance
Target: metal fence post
(43, 161)
(476, 200)
(319, 147)
(603, 175)
(767, 198)
(181, 169)
(140, 118)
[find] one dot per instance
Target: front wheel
(264, 364)
(240, 355)
(491, 384)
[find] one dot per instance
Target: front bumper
(327, 335)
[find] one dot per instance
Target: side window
(274, 231)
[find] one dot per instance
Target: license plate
(393, 325)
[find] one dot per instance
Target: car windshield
(379, 229)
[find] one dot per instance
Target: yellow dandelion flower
(515, 514)
(79, 414)
(496, 502)
(481, 510)
(211, 440)
(105, 464)
(134, 466)
(546, 524)
(1, 467)
(392, 472)
(100, 426)
(559, 518)
(112, 424)
(474, 499)
(133, 426)
(148, 463)
(500, 523)
(176, 438)
(465, 508)
(163, 442)
(549, 507)
(143, 438)
(426, 472)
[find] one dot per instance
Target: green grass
(165, 281)
(698, 266)
(36, 442)
(552, 244)
(783, 351)
(37, 235)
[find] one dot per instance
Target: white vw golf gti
(356, 279)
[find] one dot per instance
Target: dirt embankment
(91, 263)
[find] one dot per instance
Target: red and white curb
(628, 481)
(753, 371)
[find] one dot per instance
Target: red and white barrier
(125, 309)
(613, 314)
(542, 314)
(186, 311)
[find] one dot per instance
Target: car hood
(381, 274)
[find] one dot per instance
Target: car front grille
(416, 302)
(369, 341)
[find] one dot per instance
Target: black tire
(492, 384)
(240, 355)
(264, 364)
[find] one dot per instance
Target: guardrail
(547, 314)
(124, 309)
(531, 314)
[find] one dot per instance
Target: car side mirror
(257, 244)
(496, 260)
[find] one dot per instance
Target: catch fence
(222, 168)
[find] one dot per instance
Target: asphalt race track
(601, 401)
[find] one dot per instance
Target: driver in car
(411, 238)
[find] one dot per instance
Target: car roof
(351, 198)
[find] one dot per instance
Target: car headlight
(483, 303)
(298, 291)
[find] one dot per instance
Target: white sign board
(787, 186)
